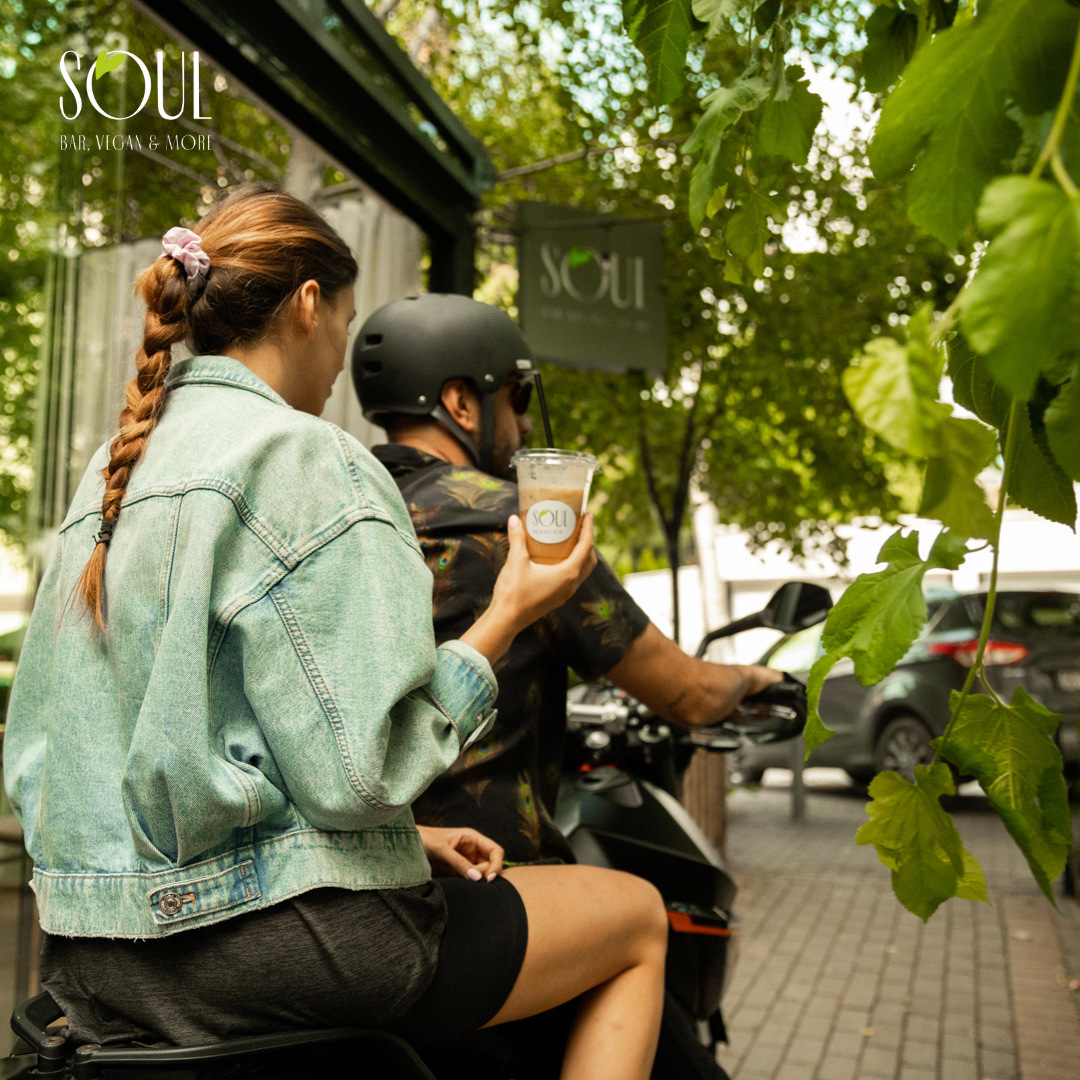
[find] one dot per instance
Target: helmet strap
(482, 453)
(487, 433)
(468, 443)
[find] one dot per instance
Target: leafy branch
(967, 103)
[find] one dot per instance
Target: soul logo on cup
(550, 522)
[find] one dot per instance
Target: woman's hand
(524, 590)
(464, 852)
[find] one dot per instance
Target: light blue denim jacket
(267, 699)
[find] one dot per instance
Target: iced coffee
(553, 491)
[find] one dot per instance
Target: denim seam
(452, 720)
(326, 700)
(242, 851)
(242, 867)
(165, 579)
(476, 671)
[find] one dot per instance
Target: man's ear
(460, 402)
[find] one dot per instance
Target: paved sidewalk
(835, 981)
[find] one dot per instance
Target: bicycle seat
(51, 1053)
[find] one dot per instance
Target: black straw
(543, 409)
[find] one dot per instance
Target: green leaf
(815, 732)
(1010, 750)
(714, 13)
(950, 493)
(1062, 420)
(948, 118)
(748, 231)
(893, 389)
(578, 257)
(787, 127)
(917, 840)
(661, 30)
(106, 63)
(715, 160)
(765, 14)
(973, 386)
(1015, 309)
(1035, 480)
(972, 886)
(891, 34)
(879, 616)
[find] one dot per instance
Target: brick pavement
(835, 981)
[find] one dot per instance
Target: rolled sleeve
(464, 687)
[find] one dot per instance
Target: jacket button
(170, 903)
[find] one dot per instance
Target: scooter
(618, 807)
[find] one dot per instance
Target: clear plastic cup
(553, 491)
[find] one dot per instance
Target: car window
(952, 615)
(1019, 612)
(798, 652)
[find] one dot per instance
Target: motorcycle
(619, 804)
(618, 807)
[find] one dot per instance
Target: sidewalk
(835, 981)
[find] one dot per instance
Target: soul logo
(621, 278)
(110, 60)
(550, 521)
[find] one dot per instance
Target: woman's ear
(305, 307)
(460, 402)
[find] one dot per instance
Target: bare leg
(601, 935)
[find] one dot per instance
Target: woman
(214, 770)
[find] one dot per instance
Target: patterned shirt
(505, 785)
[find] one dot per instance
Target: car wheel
(904, 743)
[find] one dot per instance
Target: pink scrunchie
(184, 246)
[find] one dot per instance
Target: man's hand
(463, 852)
(681, 689)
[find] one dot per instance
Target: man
(449, 380)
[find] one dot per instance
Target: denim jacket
(267, 699)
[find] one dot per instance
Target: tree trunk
(672, 536)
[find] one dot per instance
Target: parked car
(1034, 643)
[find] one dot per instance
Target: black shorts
(480, 957)
(327, 958)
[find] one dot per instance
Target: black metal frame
(330, 68)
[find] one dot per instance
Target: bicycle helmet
(408, 349)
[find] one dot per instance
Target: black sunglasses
(520, 395)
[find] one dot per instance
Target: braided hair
(263, 244)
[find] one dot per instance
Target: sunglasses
(520, 395)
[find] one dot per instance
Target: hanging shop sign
(589, 291)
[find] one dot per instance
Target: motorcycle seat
(58, 1056)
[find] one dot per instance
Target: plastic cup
(553, 490)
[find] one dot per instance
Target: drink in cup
(553, 489)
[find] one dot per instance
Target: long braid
(163, 287)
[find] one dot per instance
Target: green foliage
(981, 117)
(1062, 419)
(1010, 750)
(917, 840)
(1035, 255)
(878, 617)
(787, 125)
(950, 116)
(891, 34)
(661, 29)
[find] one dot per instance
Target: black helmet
(409, 348)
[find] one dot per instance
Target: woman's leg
(601, 935)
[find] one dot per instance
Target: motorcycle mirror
(795, 606)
